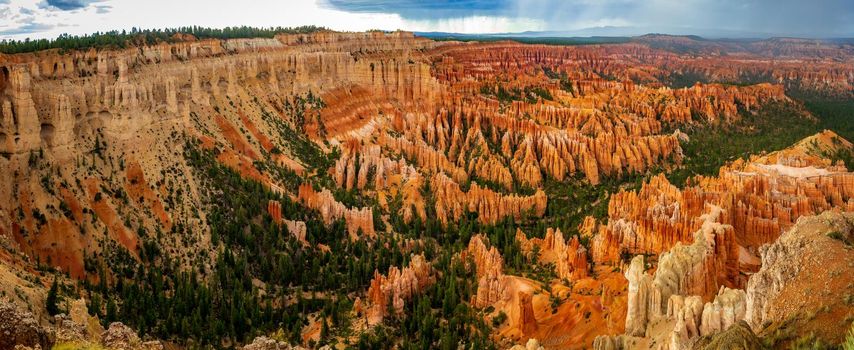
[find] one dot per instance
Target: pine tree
(111, 311)
(52, 308)
(324, 330)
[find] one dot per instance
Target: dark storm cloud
(761, 17)
(419, 9)
(67, 5)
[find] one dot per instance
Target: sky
(21, 19)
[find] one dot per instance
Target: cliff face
(113, 122)
(134, 88)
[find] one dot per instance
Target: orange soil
(58, 239)
(73, 204)
(263, 139)
(820, 309)
(588, 312)
(109, 217)
(207, 142)
(242, 165)
(139, 191)
(233, 136)
(290, 163)
(55, 243)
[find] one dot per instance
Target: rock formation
(491, 281)
(759, 199)
(737, 337)
(119, 336)
(21, 328)
(265, 343)
(525, 320)
(99, 149)
(685, 321)
(815, 252)
(296, 228)
(359, 221)
(491, 206)
(391, 291)
(697, 269)
(570, 258)
(532, 344)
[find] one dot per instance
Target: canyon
(420, 172)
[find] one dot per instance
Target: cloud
(711, 18)
(32, 27)
(416, 9)
(66, 5)
(773, 17)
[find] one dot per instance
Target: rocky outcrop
(532, 344)
(569, 257)
(491, 281)
(21, 328)
(814, 252)
(391, 291)
(359, 221)
(697, 269)
(737, 337)
(265, 343)
(619, 342)
(119, 336)
(77, 326)
(491, 206)
(67, 330)
(640, 285)
(774, 294)
(728, 308)
(296, 228)
(525, 320)
(760, 198)
(735, 214)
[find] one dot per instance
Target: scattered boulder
(532, 344)
(121, 337)
(737, 337)
(20, 328)
(265, 343)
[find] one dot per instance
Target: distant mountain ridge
(615, 31)
(682, 44)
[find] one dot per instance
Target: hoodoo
(292, 188)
